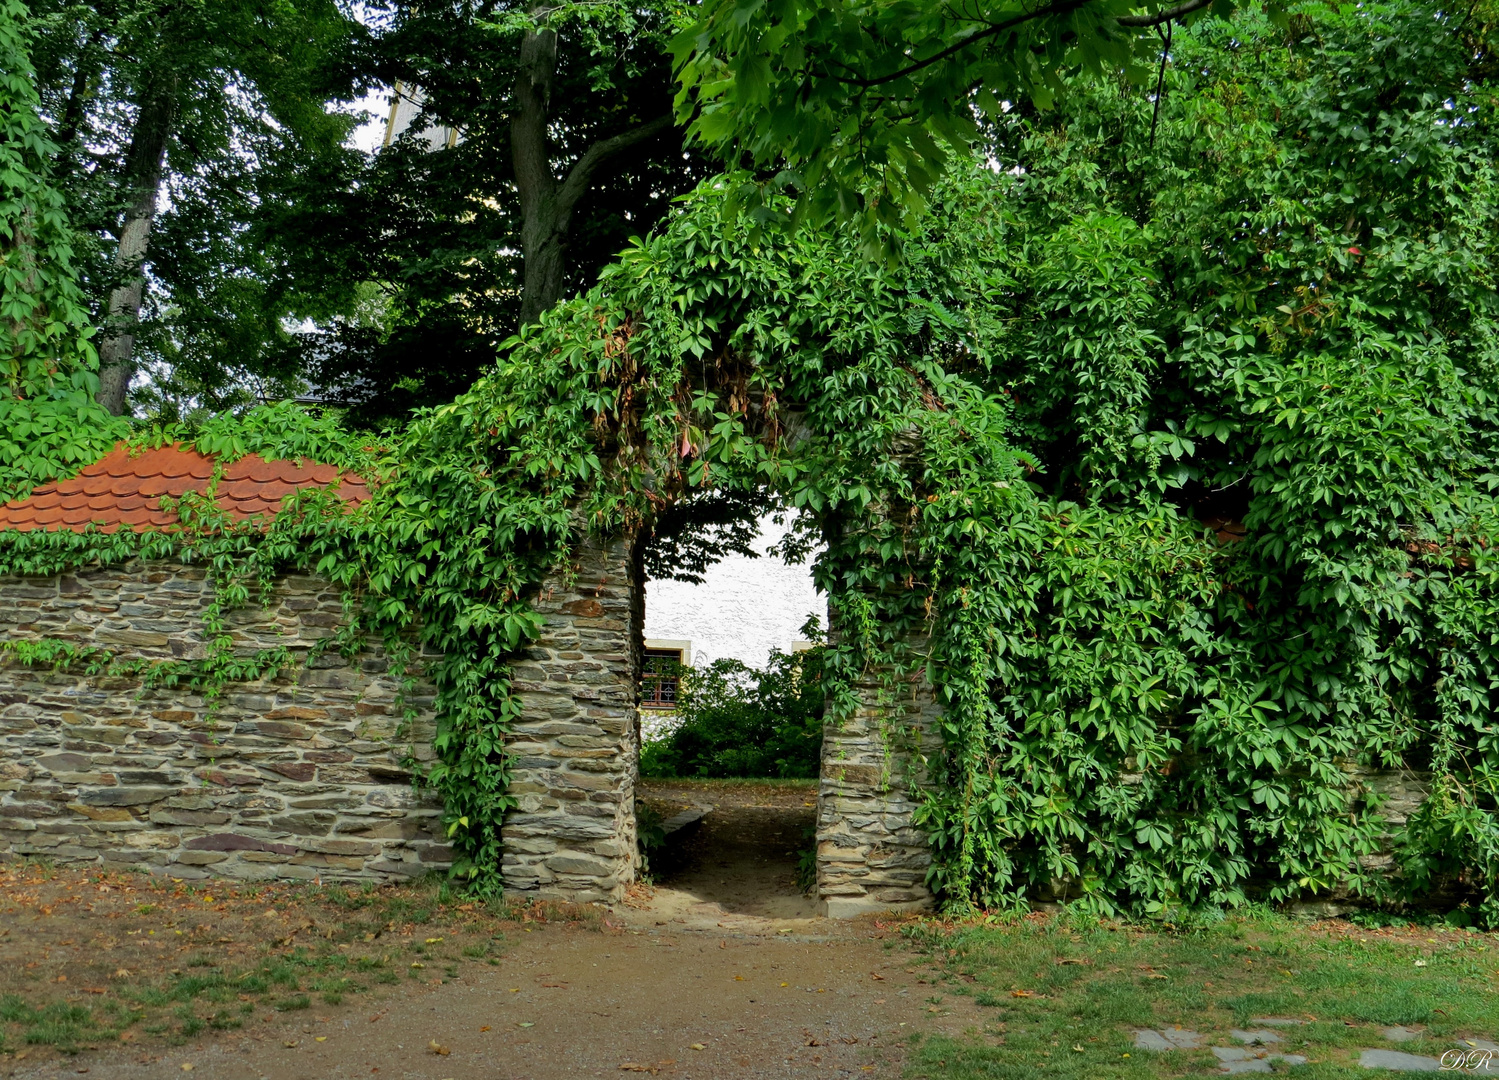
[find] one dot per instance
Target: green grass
(67, 1027)
(210, 995)
(1059, 1000)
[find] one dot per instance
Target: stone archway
(575, 750)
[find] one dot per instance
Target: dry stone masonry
(297, 776)
(576, 745)
(870, 854)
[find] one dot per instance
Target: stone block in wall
(297, 776)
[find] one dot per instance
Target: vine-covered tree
(48, 421)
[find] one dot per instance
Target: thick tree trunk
(145, 162)
(546, 205)
(541, 240)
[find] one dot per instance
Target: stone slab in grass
(1257, 1037)
(1239, 1059)
(1167, 1039)
(1400, 1034)
(1398, 1061)
(1274, 1021)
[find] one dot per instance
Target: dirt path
(738, 866)
(722, 970)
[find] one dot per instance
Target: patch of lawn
(1059, 999)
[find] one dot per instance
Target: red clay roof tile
(125, 490)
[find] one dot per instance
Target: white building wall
(744, 608)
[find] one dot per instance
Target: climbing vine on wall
(1029, 447)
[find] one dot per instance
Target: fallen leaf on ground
(439, 1049)
(322, 1038)
(1022, 993)
(484, 1028)
(526, 1023)
(635, 1066)
(873, 975)
(698, 1046)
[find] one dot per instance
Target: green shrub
(739, 721)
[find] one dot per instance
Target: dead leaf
(1068, 960)
(484, 1028)
(876, 976)
(635, 1066)
(698, 1046)
(438, 1049)
(1022, 993)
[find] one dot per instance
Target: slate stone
(1254, 1038)
(1232, 1053)
(236, 842)
(1168, 1039)
(1274, 1021)
(126, 796)
(1398, 1061)
(1400, 1034)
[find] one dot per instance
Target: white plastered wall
(744, 608)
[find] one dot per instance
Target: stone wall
(870, 856)
(571, 835)
(298, 776)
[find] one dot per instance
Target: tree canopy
(857, 106)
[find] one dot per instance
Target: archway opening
(731, 712)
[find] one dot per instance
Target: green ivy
(1276, 308)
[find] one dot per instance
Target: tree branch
(1058, 7)
(597, 155)
(1061, 7)
(1163, 16)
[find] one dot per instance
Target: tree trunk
(541, 240)
(145, 162)
(546, 206)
